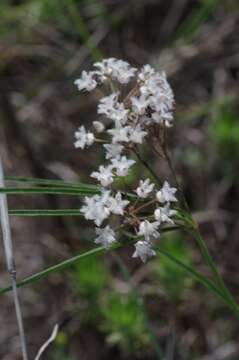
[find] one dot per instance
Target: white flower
(163, 214)
(118, 70)
(107, 103)
(163, 117)
(136, 134)
(104, 175)
(106, 236)
(118, 114)
(86, 81)
(123, 72)
(146, 72)
(143, 250)
(99, 126)
(122, 165)
(95, 208)
(166, 194)
(144, 188)
(117, 204)
(139, 104)
(105, 67)
(112, 109)
(148, 229)
(83, 138)
(113, 150)
(158, 92)
(120, 134)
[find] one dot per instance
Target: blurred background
(44, 46)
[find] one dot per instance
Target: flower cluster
(127, 117)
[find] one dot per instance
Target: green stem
(201, 243)
(217, 276)
(146, 165)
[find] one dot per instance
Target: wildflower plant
(136, 110)
(139, 107)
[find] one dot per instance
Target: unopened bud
(99, 127)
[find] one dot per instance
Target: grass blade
(70, 262)
(55, 268)
(47, 190)
(45, 212)
(49, 182)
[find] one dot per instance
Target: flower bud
(99, 127)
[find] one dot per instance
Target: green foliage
(197, 17)
(90, 276)
(88, 281)
(123, 321)
(121, 315)
(224, 132)
(173, 279)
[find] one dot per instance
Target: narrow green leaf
(55, 268)
(198, 276)
(68, 263)
(49, 182)
(48, 190)
(45, 212)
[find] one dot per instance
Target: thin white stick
(48, 342)
(8, 248)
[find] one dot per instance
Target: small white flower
(143, 250)
(83, 138)
(105, 67)
(112, 109)
(139, 104)
(163, 117)
(146, 72)
(99, 126)
(118, 114)
(118, 70)
(117, 204)
(144, 188)
(107, 103)
(149, 230)
(136, 134)
(113, 150)
(120, 134)
(106, 236)
(104, 175)
(164, 214)
(166, 194)
(86, 81)
(122, 165)
(95, 209)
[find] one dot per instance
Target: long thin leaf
(198, 276)
(55, 268)
(48, 190)
(49, 182)
(70, 262)
(215, 272)
(35, 212)
(79, 190)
